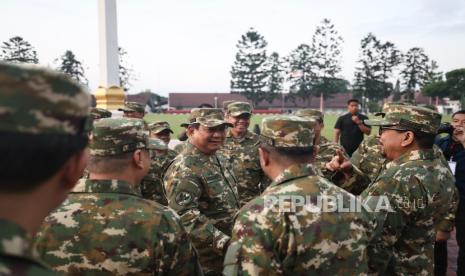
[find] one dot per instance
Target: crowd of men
(85, 193)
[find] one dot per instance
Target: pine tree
(69, 65)
(377, 61)
(18, 50)
(126, 73)
(415, 71)
(301, 73)
(327, 51)
(275, 77)
(248, 73)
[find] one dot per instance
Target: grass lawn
(176, 120)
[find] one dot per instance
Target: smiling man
(202, 190)
(241, 150)
(420, 189)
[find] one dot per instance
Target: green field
(176, 120)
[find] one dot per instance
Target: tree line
(313, 70)
(19, 50)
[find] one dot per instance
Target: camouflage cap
(409, 117)
(226, 103)
(287, 131)
(209, 117)
(387, 105)
(132, 107)
(310, 113)
(157, 144)
(157, 127)
(35, 100)
(238, 108)
(114, 136)
(99, 113)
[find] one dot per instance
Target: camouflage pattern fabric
(132, 107)
(267, 241)
(152, 184)
(113, 136)
(409, 117)
(421, 192)
(99, 113)
(242, 155)
(34, 100)
(287, 131)
(369, 157)
(17, 256)
(238, 108)
(180, 147)
(310, 113)
(157, 127)
(105, 227)
(209, 117)
(204, 193)
(225, 104)
(326, 151)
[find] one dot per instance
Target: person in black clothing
(452, 147)
(350, 128)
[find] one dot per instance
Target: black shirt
(351, 135)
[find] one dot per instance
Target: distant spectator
(350, 128)
(453, 147)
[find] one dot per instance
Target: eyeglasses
(382, 129)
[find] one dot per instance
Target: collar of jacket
(293, 172)
(106, 186)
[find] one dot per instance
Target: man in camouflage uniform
(152, 184)
(419, 187)
(96, 114)
(44, 116)
(202, 190)
(273, 236)
(105, 226)
(326, 149)
(241, 150)
(133, 110)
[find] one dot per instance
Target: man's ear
(138, 159)
(190, 130)
(408, 139)
(74, 168)
(264, 156)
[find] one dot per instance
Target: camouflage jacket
(180, 147)
(421, 193)
(204, 194)
(242, 155)
(17, 256)
(267, 240)
(152, 184)
(326, 152)
(369, 157)
(106, 227)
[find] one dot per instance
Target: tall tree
(249, 73)
(275, 78)
(415, 71)
(126, 72)
(69, 65)
(18, 50)
(301, 73)
(377, 60)
(453, 86)
(327, 51)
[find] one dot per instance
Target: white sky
(189, 45)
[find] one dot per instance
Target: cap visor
(378, 123)
(215, 123)
(238, 113)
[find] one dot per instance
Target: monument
(109, 94)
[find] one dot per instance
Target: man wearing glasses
(419, 187)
